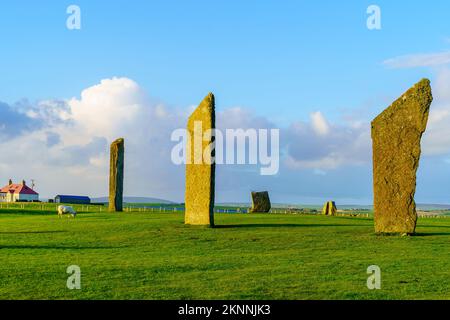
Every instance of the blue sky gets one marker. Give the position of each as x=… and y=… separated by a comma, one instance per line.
x=265, y=55
x=279, y=60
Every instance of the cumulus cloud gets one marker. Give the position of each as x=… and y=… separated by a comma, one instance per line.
x=64, y=144
x=320, y=146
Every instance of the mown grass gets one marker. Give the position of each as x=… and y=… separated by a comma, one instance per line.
x=155, y=256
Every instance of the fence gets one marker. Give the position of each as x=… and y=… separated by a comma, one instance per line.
x=53, y=207
x=440, y=216
x=50, y=207
x=178, y=209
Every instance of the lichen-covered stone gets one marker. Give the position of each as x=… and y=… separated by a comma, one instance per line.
x=260, y=202
x=200, y=167
x=329, y=209
x=116, y=175
x=396, y=135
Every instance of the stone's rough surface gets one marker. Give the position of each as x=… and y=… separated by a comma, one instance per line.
x=200, y=167
x=396, y=135
x=260, y=202
x=329, y=209
x=116, y=176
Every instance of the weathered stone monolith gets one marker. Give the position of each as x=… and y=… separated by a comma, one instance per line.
x=200, y=166
x=116, y=175
x=260, y=202
x=396, y=135
x=329, y=209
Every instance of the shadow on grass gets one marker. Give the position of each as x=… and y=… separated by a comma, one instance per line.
x=27, y=212
x=427, y=234
x=56, y=247
x=433, y=226
x=284, y=225
x=31, y=232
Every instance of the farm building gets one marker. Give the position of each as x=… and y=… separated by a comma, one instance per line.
x=18, y=193
x=72, y=199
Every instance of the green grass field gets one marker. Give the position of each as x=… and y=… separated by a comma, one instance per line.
x=154, y=256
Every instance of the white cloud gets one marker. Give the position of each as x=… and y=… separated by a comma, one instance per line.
x=67, y=149
x=115, y=107
x=419, y=60
x=319, y=145
x=436, y=140
x=319, y=123
x=241, y=118
x=69, y=152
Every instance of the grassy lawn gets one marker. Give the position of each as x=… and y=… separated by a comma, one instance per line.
x=154, y=256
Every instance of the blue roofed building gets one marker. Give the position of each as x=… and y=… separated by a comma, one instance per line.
x=72, y=199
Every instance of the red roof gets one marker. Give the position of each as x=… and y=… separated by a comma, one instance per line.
x=18, y=188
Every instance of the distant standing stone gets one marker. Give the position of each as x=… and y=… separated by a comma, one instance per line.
x=396, y=135
x=116, y=175
x=200, y=167
x=329, y=209
x=260, y=202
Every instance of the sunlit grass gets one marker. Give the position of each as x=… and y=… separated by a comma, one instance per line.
x=155, y=256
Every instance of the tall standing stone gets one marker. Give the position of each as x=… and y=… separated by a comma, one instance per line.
x=396, y=135
x=329, y=209
x=260, y=202
x=116, y=175
x=200, y=167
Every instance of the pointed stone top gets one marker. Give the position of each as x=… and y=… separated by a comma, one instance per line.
x=208, y=103
x=119, y=141
x=207, y=106
x=420, y=96
x=421, y=88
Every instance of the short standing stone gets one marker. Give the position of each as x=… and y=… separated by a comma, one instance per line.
x=200, y=167
x=396, y=135
x=116, y=175
x=329, y=209
x=260, y=202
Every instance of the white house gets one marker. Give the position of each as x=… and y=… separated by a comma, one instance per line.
x=18, y=192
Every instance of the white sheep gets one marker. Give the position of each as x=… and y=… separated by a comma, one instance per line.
x=62, y=210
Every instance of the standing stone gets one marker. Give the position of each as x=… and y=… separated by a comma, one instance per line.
x=116, y=176
x=260, y=202
x=396, y=135
x=200, y=166
x=329, y=209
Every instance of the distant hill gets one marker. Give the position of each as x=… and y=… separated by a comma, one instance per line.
x=291, y=205
x=134, y=200
x=424, y=206
x=420, y=206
